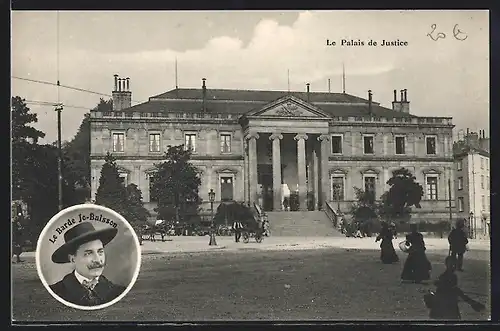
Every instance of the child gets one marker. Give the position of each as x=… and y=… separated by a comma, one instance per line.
x=443, y=303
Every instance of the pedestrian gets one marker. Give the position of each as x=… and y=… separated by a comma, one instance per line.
x=17, y=240
x=443, y=303
x=237, y=227
x=387, y=253
x=417, y=267
x=458, y=243
x=394, y=230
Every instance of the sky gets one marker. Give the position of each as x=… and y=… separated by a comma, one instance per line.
x=253, y=50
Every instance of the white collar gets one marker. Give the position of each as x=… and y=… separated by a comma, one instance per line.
x=81, y=278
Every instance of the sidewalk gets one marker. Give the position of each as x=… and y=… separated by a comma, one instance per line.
x=187, y=244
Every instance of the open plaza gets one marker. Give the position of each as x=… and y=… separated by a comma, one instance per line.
x=283, y=278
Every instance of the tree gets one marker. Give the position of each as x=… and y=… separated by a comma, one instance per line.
x=135, y=213
x=364, y=210
x=111, y=192
x=404, y=192
x=24, y=142
x=175, y=185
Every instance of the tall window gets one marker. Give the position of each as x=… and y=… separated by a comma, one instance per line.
x=459, y=165
x=338, y=188
x=154, y=142
x=432, y=187
x=370, y=185
x=482, y=181
x=118, y=142
x=152, y=195
x=337, y=144
x=483, y=202
x=481, y=161
x=225, y=143
x=190, y=142
x=430, y=143
x=400, y=145
x=460, y=183
x=461, y=204
x=368, y=144
x=487, y=182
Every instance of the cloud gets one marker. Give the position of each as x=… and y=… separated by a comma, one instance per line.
x=447, y=77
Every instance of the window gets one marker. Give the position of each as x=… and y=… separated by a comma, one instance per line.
x=152, y=195
x=225, y=143
x=481, y=161
x=487, y=182
x=482, y=181
x=118, y=142
x=483, y=203
x=370, y=185
x=154, y=142
x=124, y=176
x=337, y=144
x=190, y=142
x=487, y=161
x=430, y=143
x=460, y=183
x=461, y=204
x=338, y=188
x=459, y=165
x=400, y=145
x=368, y=144
x=431, y=186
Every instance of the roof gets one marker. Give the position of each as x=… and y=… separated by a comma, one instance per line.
x=243, y=101
x=257, y=95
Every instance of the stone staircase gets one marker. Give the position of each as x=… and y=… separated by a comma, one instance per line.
x=301, y=224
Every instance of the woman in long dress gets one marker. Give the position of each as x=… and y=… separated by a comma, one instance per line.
x=417, y=267
x=387, y=253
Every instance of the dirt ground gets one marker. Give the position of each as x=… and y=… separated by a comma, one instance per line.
x=248, y=284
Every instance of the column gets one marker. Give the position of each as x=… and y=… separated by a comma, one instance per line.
x=301, y=169
x=315, y=166
x=245, y=172
x=385, y=178
x=324, y=139
x=252, y=166
x=385, y=143
x=276, y=139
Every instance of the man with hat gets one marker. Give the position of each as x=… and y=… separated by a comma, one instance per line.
x=84, y=248
x=458, y=243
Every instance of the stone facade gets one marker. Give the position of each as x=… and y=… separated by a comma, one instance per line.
x=257, y=146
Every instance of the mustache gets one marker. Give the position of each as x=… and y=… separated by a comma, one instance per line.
x=96, y=265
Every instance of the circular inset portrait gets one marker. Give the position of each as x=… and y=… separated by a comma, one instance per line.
x=88, y=257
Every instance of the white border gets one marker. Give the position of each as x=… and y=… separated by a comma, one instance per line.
x=84, y=207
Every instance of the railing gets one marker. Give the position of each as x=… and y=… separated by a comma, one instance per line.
x=332, y=214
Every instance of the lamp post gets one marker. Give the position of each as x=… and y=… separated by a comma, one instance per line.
x=471, y=230
x=211, y=197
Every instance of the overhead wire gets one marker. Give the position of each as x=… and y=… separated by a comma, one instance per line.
x=68, y=87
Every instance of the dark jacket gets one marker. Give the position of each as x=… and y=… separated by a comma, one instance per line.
x=457, y=240
x=70, y=289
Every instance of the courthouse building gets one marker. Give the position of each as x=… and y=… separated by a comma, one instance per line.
x=265, y=146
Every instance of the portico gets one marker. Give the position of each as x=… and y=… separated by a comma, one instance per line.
x=289, y=139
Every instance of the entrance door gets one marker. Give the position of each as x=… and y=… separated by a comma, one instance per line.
x=226, y=188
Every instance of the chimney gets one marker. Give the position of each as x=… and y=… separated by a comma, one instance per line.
x=405, y=104
x=122, y=97
x=307, y=85
x=204, y=89
x=396, y=105
x=329, y=89
x=370, y=102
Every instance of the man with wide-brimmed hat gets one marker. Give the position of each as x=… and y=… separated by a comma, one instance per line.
x=84, y=248
x=458, y=243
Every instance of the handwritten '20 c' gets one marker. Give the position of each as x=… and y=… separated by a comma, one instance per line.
x=435, y=34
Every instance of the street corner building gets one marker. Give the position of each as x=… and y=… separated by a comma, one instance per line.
x=282, y=151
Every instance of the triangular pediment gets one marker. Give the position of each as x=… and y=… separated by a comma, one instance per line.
x=288, y=106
